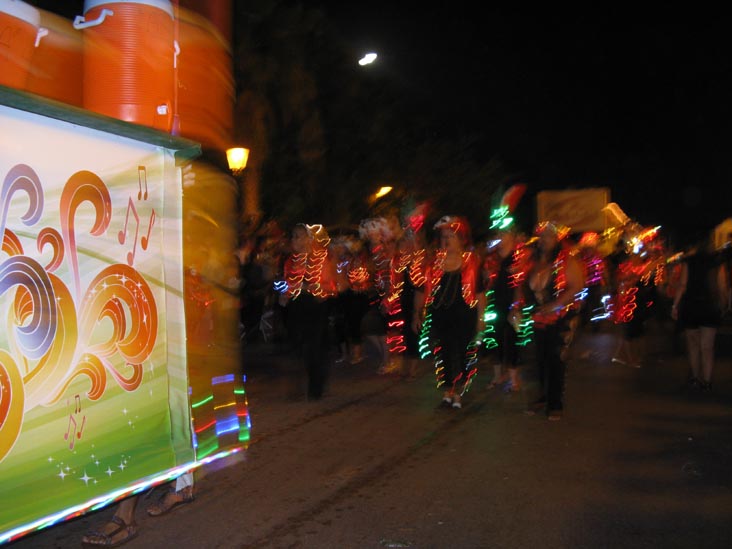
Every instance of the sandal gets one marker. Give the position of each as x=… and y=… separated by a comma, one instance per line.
x=97, y=538
x=170, y=500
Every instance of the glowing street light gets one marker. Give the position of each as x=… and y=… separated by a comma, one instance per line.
x=383, y=191
x=237, y=159
x=367, y=59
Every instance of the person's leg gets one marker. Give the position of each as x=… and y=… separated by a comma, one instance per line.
x=316, y=329
x=184, y=481
x=555, y=367
x=693, y=350
x=706, y=344
x=444, y=371
x=180, y=493
x=511, y=357
x=541, y=343
x=499, y=353
x=119, y=530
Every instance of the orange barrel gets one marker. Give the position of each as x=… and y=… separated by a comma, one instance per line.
x=129, y=53
x=57, y=62
x=205, y=83
x=19, y=32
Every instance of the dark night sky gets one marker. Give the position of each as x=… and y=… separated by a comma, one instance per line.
x=633, y=99
x=637, y=101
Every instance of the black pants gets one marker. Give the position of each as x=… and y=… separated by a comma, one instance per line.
x=308, y=319
x=507, y=350
x=550, y=367
x=453, y=328
x=355, y=305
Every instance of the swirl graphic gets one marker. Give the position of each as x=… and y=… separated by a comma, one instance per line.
x=57, y=333
x=21, y=177
x=11, y=403
x=11, y=243
x=36, y=335
x=51, y=237
x=45, y=383
x=83, y=186
x=117, y=290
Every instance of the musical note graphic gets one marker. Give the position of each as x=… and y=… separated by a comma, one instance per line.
x=123, y=233
x=72, y=420
x=66, y=435
x=141, y=176
x=145, y=240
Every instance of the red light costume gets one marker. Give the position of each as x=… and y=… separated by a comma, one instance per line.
x=469, y=273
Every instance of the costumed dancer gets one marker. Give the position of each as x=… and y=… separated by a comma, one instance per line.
x=381, y=240
x=553, y=285
x=501, y=272
x=358, y=296
x=408, y=275
x=450, y=309
x=309, y=283
x=637, y=278
x=596, y=279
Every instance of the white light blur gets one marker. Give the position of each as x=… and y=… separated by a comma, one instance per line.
x=367, y=59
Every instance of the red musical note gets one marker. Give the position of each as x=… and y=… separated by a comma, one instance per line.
x=145, y=240
x=141, y=175
x=77, y=404
x=123, y=233
x=66, y=435
x=83, y=422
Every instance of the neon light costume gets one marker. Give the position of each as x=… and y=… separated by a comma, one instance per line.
x=310, y=281
x=552, y=284
x=453, y=310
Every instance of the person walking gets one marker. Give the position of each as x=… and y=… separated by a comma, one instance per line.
x=698, y=305
x=553, y=283
x=450, y=309
x=309, y=284
x=499, y=269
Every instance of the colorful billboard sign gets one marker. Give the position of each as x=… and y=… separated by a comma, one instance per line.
x=95, y=398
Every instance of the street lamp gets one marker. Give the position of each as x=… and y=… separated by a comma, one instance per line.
x=383, y=191
x=237, y=158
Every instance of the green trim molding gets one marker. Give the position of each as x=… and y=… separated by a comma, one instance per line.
x=184, y=149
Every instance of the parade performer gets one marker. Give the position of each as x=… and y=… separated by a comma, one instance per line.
x=354, y=283
x=501, y=272
x=309, y=283
x=596, y=277
x=450, y=309
x=408, y=275
x=553, y=285
x=500, y=338
x=381, y=236
x=637, y=279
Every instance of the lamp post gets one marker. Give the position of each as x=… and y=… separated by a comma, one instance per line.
x=237, y=158
x=382, y=192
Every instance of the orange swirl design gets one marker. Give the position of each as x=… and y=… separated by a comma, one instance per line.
x=44, y=383
x=83, y=186
x=92, y=367
x=116, y=287
x=11, y=243
x=51, y=237
x=11, y=403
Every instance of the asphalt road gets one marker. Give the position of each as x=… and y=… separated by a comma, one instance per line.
x=637, y=461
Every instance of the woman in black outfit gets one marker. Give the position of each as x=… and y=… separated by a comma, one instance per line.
x=698, y=307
